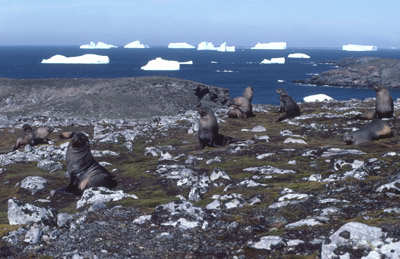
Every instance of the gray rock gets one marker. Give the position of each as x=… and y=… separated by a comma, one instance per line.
x=34, y=184
x=101, y=194
x=63, y=219
x=49, y=165
x=34, y=235
x=19, y=213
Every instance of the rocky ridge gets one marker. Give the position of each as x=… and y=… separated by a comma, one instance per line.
x=359, y=72
x=286, y=189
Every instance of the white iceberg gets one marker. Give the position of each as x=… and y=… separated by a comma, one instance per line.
x=270, y=45
x=298, y=55
x=317, y=98
x=161, y=64
x=186, y=62
x=353, y=47
x=84, y=59
x=136, y=45
x=206, y=46
x=180, y=45
x=99, y=45
x=224, y=48
x=273, y=61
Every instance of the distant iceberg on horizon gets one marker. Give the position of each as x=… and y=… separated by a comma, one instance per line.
x=180, y=45
x=270, y=45
x=224, y=48
x=317, y=98
x=204, y=45
x=161, y=64
x=354, y=47
x=99, y=45
x=136, y=45
x=84, y=59
x=298, y=55
x=273, y=61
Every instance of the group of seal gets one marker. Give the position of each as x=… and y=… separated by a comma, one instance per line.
x=242, y=107
x=377, y=128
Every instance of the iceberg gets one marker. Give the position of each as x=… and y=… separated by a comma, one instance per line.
x=186, y=62
x=84, y=59
x=298, y=55
x=224, y=48
x=206, y=46
x=353, y=47
x=273, y=61
x=161, y=64
x=99, y=45
x=180, y=45
x=270, y=45
x=136, y=45
x=317, y=98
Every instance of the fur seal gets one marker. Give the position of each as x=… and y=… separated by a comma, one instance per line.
x=287, y=105
x=242, y=107
x=208, y=130
x=374, y=130
x=281, y=92
x=384, y=102
x=85, y=172
x=33, y=137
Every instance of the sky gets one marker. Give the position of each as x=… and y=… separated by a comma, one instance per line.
x=300, y=23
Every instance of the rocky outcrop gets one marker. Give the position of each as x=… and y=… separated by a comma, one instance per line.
x=359, y=72
x=107, y=98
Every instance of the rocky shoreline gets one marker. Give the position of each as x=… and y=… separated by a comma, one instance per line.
x=359, y=72
x=288, y=189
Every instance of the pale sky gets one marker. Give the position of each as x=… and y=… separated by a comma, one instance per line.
x=300, y=23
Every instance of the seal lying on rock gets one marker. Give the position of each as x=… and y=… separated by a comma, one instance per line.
x=287, y=105
x=208, y=130
x=84, y=170
x=374, y=130
x=242, y=107
x=33, y=137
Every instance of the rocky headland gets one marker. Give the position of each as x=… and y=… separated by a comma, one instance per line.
x=359, y=72
x=291, y=189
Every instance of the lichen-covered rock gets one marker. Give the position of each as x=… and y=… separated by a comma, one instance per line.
x=101, y=194
x=19, y=213
x=49, y=165
x=34, y=184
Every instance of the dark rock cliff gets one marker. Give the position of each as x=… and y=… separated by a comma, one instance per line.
x=110, y=98
x=359, y=72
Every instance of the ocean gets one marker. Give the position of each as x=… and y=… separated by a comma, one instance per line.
x=232, y=70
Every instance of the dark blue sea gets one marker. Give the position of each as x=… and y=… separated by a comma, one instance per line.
x=243, y=66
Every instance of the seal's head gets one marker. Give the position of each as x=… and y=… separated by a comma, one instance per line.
x=79, y=140
x=378, y=87
x=203, y=111
x=27, y=127
x=348, y=138
x=281, y=91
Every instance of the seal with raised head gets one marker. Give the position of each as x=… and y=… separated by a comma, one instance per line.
x=287, y=105
x=374, y=130
x=384, y=102
x=33, y=137
x=281, y=92
x=85, y=172
x=242, y=107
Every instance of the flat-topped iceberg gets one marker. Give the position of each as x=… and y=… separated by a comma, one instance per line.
x=224, y=48
x=136, y=45
x=273, y=61
x=180, y=45
x=161, y=64
x=317, y=98
x=84, y=59
x=353, y=47
x=204, y=45
x=270, y=45
x=298, y=55
x=99, y=45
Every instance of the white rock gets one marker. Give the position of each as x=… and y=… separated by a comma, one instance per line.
x=34, y=235
x=268, y=242
x=294, y=141
x=214, y=205
x=34, y=183
x=19, y=213
x=161, y=64
x=84, y=59
x=304, y=222
x=142, y=219
x=262, y=156
x=101, y=194
x=317, y=98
